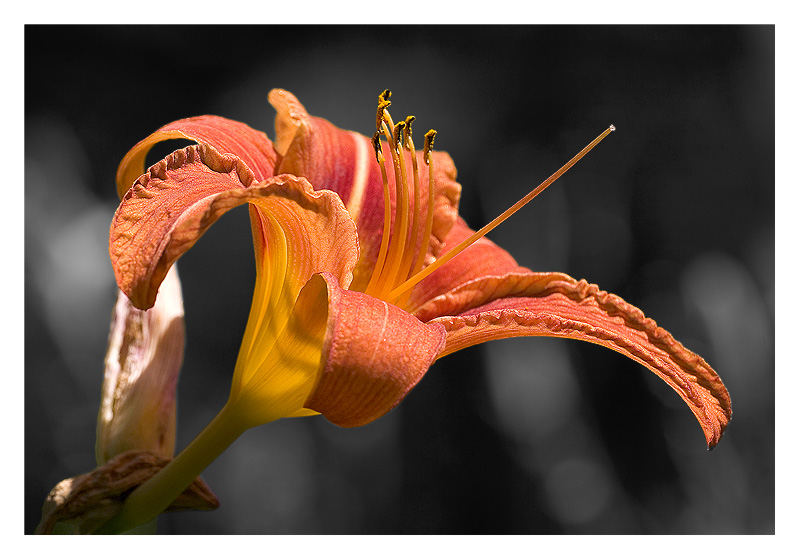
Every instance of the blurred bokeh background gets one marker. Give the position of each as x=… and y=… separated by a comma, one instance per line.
x=674, y=212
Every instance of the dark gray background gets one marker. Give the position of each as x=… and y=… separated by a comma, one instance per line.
x=674, y=212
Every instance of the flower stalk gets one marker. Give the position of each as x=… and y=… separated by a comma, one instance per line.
x=151, y=498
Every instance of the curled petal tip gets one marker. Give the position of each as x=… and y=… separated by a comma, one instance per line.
x=170, y=208
x=487, y=296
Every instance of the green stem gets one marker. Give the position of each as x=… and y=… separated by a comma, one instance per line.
x=153, y=497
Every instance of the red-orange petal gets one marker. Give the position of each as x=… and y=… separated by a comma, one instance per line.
x=344, y=162
x=170, y=207
x=227, y=136
x=554, y=304
x=374, y=354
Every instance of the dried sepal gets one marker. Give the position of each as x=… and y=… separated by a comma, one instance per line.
x=83, y=503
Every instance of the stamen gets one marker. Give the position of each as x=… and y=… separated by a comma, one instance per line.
x=382, y=106
x=414, y=280
x=377, y=277
x=409, y=144
x=376, y=146
x=429, y=137
x=387, y=215
x=381, y=275
x=387, y=118
x=411, y=242
x=397, y=134
x=400, y=232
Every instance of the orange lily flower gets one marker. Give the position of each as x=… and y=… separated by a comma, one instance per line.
x=365, y=276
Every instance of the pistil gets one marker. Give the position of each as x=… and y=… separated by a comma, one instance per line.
x=400, y=264
x=424, y=273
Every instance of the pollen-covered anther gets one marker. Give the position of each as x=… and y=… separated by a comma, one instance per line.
x=398, y=257
x=379, y=117
x=398, y=134
x=408, y=143
x=430, y=136
x=376, y=145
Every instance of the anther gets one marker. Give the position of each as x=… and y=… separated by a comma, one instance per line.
x=408, y=120
x=385, y=96
x=376, y=144
x=382, y=106
x=429, y=138
x=397, y=133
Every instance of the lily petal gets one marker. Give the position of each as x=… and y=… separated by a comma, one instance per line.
x=483, y=294
x=344, y=162
x=374, y=354
x=559, y=306
x=145, y=351
x=170, y=207
x=225, y=135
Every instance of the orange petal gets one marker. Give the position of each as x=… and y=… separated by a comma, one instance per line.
x=252, y=147
x=554, y=304
x=374, y=354
x=170, y=207
x=344, y=162
x=145, y=351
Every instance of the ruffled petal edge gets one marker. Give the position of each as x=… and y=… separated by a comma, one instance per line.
x=554, y=304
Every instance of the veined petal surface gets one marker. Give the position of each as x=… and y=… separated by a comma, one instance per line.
x=374, y=354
